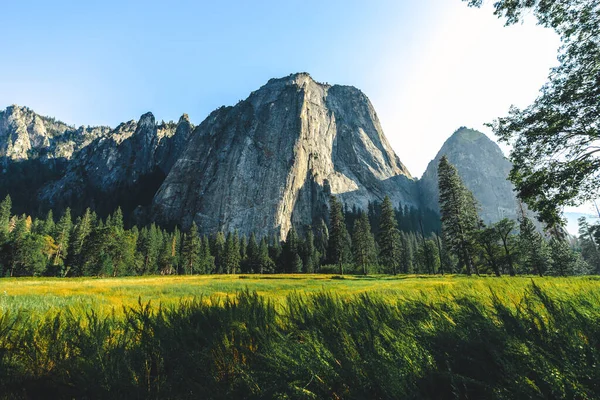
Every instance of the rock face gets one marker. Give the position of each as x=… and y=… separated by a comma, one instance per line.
x=484, y=170
x=49, y=164
x=271, y=161
x=25, y=135
x=264, y=165
x=123, y=168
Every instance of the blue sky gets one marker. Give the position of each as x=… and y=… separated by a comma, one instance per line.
x=428, y=66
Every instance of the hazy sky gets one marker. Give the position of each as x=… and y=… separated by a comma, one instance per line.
x=428, y=66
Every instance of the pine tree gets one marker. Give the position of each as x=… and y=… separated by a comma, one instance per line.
x=190, y=253
x=265, y=262
x=533, y=249
x=243, y=249
x=252, y=255
x=589, y=248
x=48, y=225
x=563, y=258
x=208, y=260
x=176, y=243
x=62, y=237
x=81, y=232
x=310, y=255
x=5, y=210
x=218, y=249
x=339, y=247
x=149, y=243
x=363, y=243
x=116, y=220
x=406, y=264
x=18, y=253
x=275, y=253
x=389, y=237
x=291, y=259
x=231, y=255
x=458, y=210
x=322, y=241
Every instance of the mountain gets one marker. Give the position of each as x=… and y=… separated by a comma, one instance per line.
x=264, y=165
x=124, y=169
x=271, y=161
x=484, y=170
x=49, y=164
x=25, y=135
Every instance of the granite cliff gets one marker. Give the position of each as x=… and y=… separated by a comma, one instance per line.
x=484, y=170
x=49, y=164
x=271, y=161
x=266, y=164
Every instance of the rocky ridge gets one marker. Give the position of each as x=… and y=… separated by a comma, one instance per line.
x=484, y=170
x=271, y=161
x=266, y=164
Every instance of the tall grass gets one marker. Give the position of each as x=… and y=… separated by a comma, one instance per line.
x=475, y=345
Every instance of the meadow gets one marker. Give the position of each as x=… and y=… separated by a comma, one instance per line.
x=300, y=336
x=105, y=295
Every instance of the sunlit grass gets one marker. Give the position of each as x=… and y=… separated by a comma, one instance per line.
x=300, y=336
x=105, y=295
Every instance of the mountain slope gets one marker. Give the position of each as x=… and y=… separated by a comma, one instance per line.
x=125, y=168
x=482, y=167
x=271, y=161
x=264, y=165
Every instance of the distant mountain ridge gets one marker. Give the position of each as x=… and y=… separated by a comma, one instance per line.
x=482, y=167
x=266, y=164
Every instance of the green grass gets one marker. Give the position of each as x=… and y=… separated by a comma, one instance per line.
x=41, y=295
x=300, y=337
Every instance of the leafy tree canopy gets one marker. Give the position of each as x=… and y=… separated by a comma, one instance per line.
x=556, y=140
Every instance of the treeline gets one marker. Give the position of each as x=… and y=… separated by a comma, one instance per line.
x=383, y=239
x=504, y=247
x=93, y=246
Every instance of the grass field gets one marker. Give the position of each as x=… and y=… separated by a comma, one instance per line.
x=298, y=336
x=42, y=295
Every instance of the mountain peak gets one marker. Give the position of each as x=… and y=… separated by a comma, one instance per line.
x=270, y=161
x=482, y=167
x=467, y=134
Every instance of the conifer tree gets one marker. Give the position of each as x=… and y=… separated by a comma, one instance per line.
x=165, y=257
x=62, y=237
x=458, y=210
x=243, y=249
x=291, y=259
x=322, y=240
x=275, y=253
x=389, y=237
x=81, y=232
x=231, y=255
x=266, y=264
x=533, y=248
x=208, y=260
x=563, y=258
x=218, y=249
x=363, y=243
x=310, y=255
x=589, y=248
x=5, y=210
x=406, y=264
x=338, y=247
x=150, y=241
x=252, y=255
x=48, y=227
x=190, y=253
